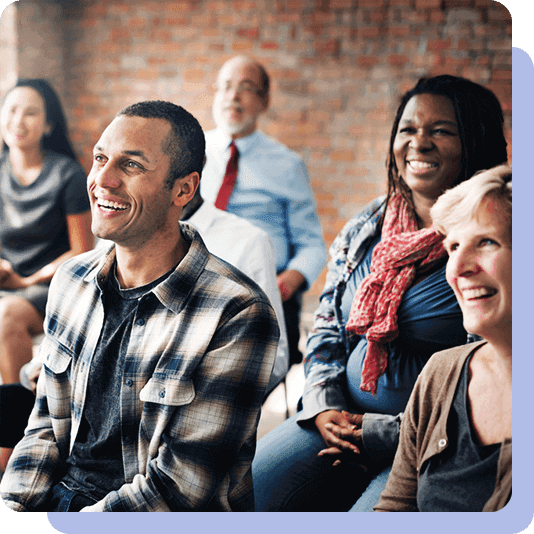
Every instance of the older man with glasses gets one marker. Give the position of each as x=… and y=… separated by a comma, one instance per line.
x=259, y=179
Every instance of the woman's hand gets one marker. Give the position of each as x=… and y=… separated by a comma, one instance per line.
x=9, y=279
x=341, y=431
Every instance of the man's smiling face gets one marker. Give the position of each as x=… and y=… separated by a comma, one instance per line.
x=129, y=199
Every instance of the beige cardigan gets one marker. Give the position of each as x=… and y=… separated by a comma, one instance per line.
x=424, y=434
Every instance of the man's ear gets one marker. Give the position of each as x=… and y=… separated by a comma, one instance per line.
x=184, y=189
x=265, y=100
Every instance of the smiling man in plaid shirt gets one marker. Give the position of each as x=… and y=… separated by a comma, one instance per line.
x=157, y=354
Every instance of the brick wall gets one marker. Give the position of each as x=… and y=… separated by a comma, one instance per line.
x=338, y=70
x=8, y=48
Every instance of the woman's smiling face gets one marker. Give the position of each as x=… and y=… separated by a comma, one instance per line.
x=23, y=119
x=427, y=146
x=479, y=269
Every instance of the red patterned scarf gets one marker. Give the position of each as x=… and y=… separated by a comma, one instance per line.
x=402, y=250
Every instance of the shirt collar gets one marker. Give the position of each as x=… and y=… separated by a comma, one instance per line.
x=243, y=144
x=174, y=291
x=203, y=218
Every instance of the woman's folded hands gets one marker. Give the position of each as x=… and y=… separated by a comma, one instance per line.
x=342, y=433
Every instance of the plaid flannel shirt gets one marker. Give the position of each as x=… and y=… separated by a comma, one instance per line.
x=197, y=364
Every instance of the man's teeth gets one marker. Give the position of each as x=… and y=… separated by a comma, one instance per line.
x=422, y=165
x=478, y=293
x=112, y=206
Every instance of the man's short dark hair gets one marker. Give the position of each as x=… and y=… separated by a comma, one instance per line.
x=185, y=144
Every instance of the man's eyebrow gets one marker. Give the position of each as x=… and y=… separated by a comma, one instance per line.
x=138, y=153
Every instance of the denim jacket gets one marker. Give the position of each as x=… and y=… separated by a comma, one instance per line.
x=328, y=345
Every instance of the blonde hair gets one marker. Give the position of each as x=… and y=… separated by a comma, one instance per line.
x=461, y=203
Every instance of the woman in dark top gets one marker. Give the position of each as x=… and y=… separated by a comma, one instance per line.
x=44, y=209
x=455, y=450
x=386, y=308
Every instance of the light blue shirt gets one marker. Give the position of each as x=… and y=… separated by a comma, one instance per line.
x=273, y=192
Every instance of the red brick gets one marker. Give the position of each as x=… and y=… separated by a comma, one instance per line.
x=342, y=155
x=137, y=23
x=378, y=16
x=369, y=32
x=171, y=47
x=342, y=4
x=437, y=16
x=427, y=4
x=241, y=46
x=367, y=62
x=182, y=7
x=269, y=45
x=372, y=3
x=499, y=75
x=416, y=17
x=397, y=60
x=400, y=31
x=319, y=142
x=117, y=8
x=458, y=3
x=175, y=21
x=440, y=44
x=499, y=12
x=250, y=33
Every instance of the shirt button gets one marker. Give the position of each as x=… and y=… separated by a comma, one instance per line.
x=162, y=393
x=129, y=382
x=442, y=442
x=141, y=322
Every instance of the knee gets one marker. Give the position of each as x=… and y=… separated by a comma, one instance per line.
x=13, y=319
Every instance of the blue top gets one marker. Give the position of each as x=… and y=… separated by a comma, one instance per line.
x=329, y=346
x=273, y=192
x=429, y=320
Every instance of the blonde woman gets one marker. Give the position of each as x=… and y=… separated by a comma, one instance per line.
x=455, y=450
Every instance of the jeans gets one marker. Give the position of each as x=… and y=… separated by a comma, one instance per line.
x=288, y=475
x=63, y=499
x=371, y=495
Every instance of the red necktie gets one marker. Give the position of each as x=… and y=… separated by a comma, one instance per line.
x=229, y=179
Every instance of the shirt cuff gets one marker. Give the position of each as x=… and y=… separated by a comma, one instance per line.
x=319, y=400
x=309, y=263
x=380, y=435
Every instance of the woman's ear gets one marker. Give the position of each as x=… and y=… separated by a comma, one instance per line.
x=185, y=188
x=47, y=130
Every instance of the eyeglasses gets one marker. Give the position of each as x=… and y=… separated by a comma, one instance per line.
x=243, y=87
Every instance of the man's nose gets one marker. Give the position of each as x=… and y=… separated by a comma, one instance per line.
x=108, y=178
x=232, y=92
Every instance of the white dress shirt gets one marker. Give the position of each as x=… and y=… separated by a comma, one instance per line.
x=251, y=250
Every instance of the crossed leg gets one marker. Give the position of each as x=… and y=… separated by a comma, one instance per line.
x=19, y=323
